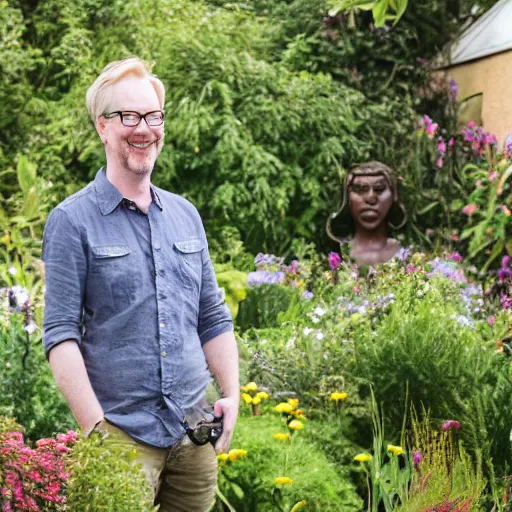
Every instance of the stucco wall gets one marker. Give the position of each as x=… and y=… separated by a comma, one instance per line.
x=491, y=76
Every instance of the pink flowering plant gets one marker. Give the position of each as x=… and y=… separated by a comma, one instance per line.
x=469, y=193
x=33, y=479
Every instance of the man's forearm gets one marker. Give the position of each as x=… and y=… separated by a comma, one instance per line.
x=222, y=357
x=71, y=377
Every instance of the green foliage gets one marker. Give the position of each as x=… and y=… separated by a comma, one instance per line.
x=110, y=470
x=249, y=483
x=29, y=393
x=382, y=10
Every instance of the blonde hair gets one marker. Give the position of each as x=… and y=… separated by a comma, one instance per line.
x=99, y=95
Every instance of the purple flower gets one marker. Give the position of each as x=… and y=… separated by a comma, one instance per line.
x=403, y=254
x=307, y=295
x=264, y=277
x=507, y=145
x=417, y=458
x=334, y=260
x=454, y=88
x=450, y=424
x=455, y=256
x=506, y=301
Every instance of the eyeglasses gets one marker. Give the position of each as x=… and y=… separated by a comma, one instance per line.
x=205, y=431
x=132, y=119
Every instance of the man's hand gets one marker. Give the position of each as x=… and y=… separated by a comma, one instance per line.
x=228, y=409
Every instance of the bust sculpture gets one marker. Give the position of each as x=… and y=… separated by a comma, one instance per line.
x=370, y=206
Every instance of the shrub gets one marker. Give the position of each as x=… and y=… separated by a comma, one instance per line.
x=32, y=479
x=110, y=470
x=250, y=482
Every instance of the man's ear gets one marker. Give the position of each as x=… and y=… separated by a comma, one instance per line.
x=102, y=128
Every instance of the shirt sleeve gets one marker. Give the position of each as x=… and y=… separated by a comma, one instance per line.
x=65, y=262
x=214, y=315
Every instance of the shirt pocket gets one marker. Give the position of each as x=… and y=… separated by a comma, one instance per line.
x=114, y=271
x=189, y=254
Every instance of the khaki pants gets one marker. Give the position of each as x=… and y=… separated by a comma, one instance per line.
x=183, y=477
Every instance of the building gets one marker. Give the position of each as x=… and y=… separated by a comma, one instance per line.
x=481, y=64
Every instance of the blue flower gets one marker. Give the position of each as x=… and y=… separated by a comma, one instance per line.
x=307, y=295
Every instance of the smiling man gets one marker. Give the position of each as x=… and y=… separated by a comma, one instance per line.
x=134, y=320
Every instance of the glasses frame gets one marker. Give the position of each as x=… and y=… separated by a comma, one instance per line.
x=213, y=431
x=122, y=113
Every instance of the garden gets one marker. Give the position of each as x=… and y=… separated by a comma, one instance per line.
x=364, y=388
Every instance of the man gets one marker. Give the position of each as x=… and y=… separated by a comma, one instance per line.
x=134, y=318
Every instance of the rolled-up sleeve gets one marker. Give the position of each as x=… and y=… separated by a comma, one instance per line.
x=65, y=274
x=214, y=315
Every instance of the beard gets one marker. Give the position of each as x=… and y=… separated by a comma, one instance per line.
x=141, y=164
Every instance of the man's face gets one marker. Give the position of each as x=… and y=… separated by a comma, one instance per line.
x=370, y=199
x=134, y=149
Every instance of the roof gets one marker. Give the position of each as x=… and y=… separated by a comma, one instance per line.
x=490, y=34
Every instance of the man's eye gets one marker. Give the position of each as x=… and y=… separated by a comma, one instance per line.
x=130, y=117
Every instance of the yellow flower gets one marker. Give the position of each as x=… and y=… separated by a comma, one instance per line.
x=262, y=395
x=395, y=450
x=299, y=505
x=256, y=400
x=363, y=457
x=282, y=437
x=252, y=386
x=247, y=398
x=284, y=480
x=338, y=397
x=222, y=457
x=294, y=402
x=295, y=425
x=234, y=455
x=284, y=407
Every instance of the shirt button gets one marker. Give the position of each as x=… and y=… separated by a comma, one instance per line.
x=162, y=324
x=164, y=354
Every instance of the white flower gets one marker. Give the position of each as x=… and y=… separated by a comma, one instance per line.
x=307, y=331
x=319, y=311
x=30, y=328
x=12, y=271
x=8, y=364
x=419, y=293
x=290, y=344
x=319, y=336
x=315, y=319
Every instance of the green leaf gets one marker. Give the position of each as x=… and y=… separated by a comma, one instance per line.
x=505, y=177
x=379, y=11
x=498, y=249
x=428, y=208
x=26, y=174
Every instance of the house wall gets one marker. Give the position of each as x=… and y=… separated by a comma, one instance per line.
x=491, y=76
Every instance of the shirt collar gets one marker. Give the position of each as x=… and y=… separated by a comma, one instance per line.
x=109, y=197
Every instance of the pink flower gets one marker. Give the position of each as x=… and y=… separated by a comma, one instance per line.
x=441, y=147
x=356, y=290
x=334, y=260
x=440, y=162
x=455, y=256
x=451, y=142
x=469, y=209
x=471, y=124
x=493, y=175
x=450, y=424
x=430, y=126
x=417, y=458
x=491, y=320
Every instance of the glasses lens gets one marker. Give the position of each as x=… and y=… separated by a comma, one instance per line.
x=130, y=118
x=155, y=118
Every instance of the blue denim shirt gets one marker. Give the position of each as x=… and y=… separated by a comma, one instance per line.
x=139, y=295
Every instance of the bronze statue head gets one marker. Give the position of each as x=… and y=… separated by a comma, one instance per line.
x=369, y=198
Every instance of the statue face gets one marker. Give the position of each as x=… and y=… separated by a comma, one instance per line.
x=370, y=199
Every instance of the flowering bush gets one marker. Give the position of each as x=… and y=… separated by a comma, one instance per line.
x=32, y=479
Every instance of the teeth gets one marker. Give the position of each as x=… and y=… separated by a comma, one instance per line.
x=140, y=146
